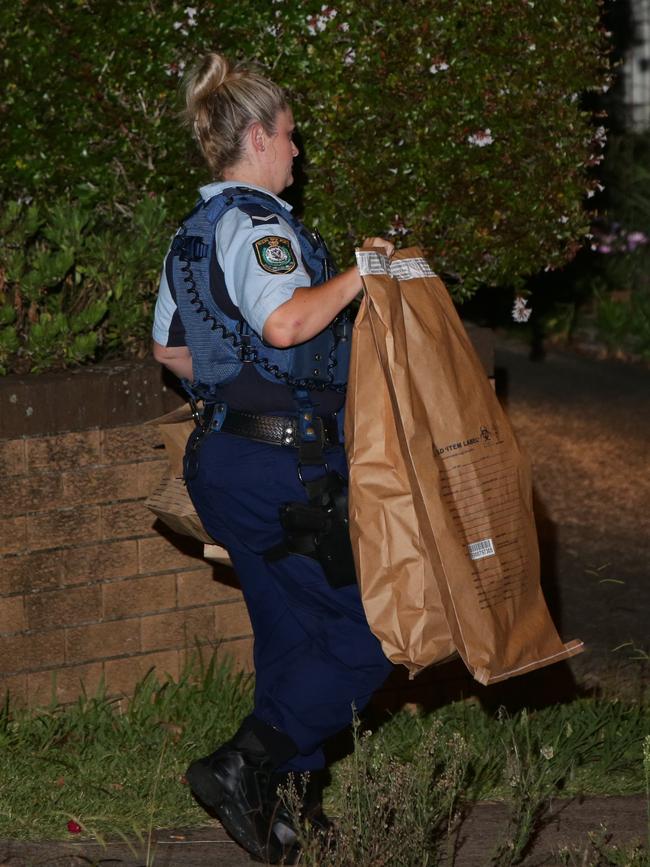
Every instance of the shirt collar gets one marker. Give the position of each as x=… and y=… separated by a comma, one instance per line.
x=213, y=189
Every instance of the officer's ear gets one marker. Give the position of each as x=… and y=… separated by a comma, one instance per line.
x=257, y=137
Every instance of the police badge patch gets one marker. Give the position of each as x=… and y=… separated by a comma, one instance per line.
x=275, y=255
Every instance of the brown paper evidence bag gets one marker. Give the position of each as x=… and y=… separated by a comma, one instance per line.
x=441, y=514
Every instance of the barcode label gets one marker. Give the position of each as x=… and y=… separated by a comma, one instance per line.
x=402, y=269
x=478, y=550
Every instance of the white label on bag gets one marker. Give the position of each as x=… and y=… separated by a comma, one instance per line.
x=402, y=269
x=478, y=550
x=372, y=263
x=410, y=269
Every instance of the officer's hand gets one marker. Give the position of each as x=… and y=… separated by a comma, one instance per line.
x=387, y=247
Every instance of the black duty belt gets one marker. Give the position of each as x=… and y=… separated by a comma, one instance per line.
x=279, y=430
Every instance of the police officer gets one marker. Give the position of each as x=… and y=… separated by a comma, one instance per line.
x=252, y=317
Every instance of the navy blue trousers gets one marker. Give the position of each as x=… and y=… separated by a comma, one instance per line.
x=315, y=657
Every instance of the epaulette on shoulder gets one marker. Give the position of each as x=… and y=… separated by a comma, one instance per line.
x=259, y=214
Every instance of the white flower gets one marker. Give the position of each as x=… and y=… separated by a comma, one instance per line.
x=318, y=23
x=520, y=312
x=177, y=25
x=344, y=26
x=397, y=227
x=532, y=47
x=349, y=57
x=563, y=219
x=435, y=68
x=481, y=138
x=175, y=68
x=547, y=752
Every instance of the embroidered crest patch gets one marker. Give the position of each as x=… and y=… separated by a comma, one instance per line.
x=275, y=255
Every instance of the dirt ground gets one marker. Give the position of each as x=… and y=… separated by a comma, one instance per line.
x=586, y=426
x=566, y=824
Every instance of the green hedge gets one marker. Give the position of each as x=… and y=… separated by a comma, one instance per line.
x=456, y=124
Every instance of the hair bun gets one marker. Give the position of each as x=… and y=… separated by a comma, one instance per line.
x=222, y=101
x=206, y=77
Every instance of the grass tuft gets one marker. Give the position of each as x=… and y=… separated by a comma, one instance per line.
x=116, y=766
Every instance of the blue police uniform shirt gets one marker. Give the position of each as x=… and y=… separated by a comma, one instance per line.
x=261, y=261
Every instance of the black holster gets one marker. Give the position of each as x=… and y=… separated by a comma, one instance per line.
x=320, y=529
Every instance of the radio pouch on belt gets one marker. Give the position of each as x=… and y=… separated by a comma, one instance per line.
x=319, y=529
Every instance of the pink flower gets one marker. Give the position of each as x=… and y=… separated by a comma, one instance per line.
x=636, y=239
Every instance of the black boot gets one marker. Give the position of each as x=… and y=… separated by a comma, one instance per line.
x=236, y=783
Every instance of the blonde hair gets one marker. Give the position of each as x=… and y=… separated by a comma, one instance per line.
x=221, y=104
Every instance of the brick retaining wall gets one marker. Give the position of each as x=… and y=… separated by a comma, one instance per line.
x=90, y=587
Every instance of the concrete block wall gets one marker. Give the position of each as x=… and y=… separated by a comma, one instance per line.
x=90, y=588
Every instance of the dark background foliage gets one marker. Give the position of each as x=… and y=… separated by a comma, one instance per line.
x=456, y=124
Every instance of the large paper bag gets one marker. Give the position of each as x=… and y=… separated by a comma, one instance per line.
x=466, y=504
x=399, y=591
